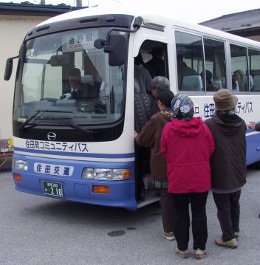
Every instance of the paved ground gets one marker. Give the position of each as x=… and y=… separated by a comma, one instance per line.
x=42, y=231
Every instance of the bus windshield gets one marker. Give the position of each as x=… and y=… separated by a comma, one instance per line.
x=44, y=95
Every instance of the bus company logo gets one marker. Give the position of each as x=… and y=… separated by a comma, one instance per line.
x=51, y=136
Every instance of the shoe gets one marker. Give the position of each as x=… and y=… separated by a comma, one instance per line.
x=236, y=234
x=182, y=253
x=229, y=244
x=169, y=235
x=200, y=254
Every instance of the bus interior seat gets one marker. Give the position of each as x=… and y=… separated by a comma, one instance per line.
x=217, y=84
x=87, y=79
x=91, y=86
x=256, y=81
x=192, y=83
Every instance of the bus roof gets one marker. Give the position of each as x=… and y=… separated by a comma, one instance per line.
x=148, y=17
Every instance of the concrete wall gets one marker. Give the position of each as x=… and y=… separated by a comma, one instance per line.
x=12, y=32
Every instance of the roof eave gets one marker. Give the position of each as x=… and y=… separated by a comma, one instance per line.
x=38, y=10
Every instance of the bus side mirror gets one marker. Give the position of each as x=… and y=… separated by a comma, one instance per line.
x=116, y=49
x=8, y=69
x=115, y=46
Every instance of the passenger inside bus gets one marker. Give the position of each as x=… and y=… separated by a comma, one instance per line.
x=208, y=79
x=142, y=75
x=142, y=84
x=238, y=81
x=156, y=66
x=184, y=70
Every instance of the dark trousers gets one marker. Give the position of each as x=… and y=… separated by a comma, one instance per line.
x=228, y=208
x=199, y=219
x=167, y=209
x=142, y=166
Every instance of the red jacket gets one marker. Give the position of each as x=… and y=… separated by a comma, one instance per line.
x=187, y=146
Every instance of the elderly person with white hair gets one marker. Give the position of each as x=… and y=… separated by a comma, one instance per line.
x=158, y=84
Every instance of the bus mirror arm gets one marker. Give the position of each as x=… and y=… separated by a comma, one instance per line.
x=136, y=25
x=100, y=43
x=9, y=68
x=115, y=45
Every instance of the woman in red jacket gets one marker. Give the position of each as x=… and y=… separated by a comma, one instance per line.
x=187, y=144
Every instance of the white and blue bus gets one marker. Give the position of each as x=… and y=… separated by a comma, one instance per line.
x=83, y=150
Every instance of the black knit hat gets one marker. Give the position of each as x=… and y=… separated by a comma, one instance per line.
x=166, y=97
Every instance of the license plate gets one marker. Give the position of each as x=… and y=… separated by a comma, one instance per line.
x=53, y=188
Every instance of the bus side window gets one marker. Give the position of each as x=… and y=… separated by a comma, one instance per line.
x=239, y=68
x=215, y=74
x=189, y=61
x=254, y=66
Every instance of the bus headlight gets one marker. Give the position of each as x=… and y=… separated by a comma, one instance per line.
x=121, y=174
x=106, y=173
x=103, y=173
x=19, y=164
x=88, y=173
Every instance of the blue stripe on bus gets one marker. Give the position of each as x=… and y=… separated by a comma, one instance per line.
x=128, y=155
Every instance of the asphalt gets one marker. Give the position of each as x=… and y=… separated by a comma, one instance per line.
x=37, y=231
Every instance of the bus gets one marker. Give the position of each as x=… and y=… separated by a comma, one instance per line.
x=83, y=150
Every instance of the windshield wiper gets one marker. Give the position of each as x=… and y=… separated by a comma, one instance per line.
x=90, y=133
x=27, y=122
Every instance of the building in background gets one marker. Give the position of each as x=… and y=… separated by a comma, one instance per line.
x=15, y=21
x=245, y=24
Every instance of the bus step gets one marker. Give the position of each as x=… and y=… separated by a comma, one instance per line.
x=151, y=196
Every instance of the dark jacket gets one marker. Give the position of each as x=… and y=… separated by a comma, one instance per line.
x=155, y=67
x=150, y=136
x=154, y=105
x=142, y=84
x=257, y=127
x=142, y=110
x=228, y=163
x=77, y=94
